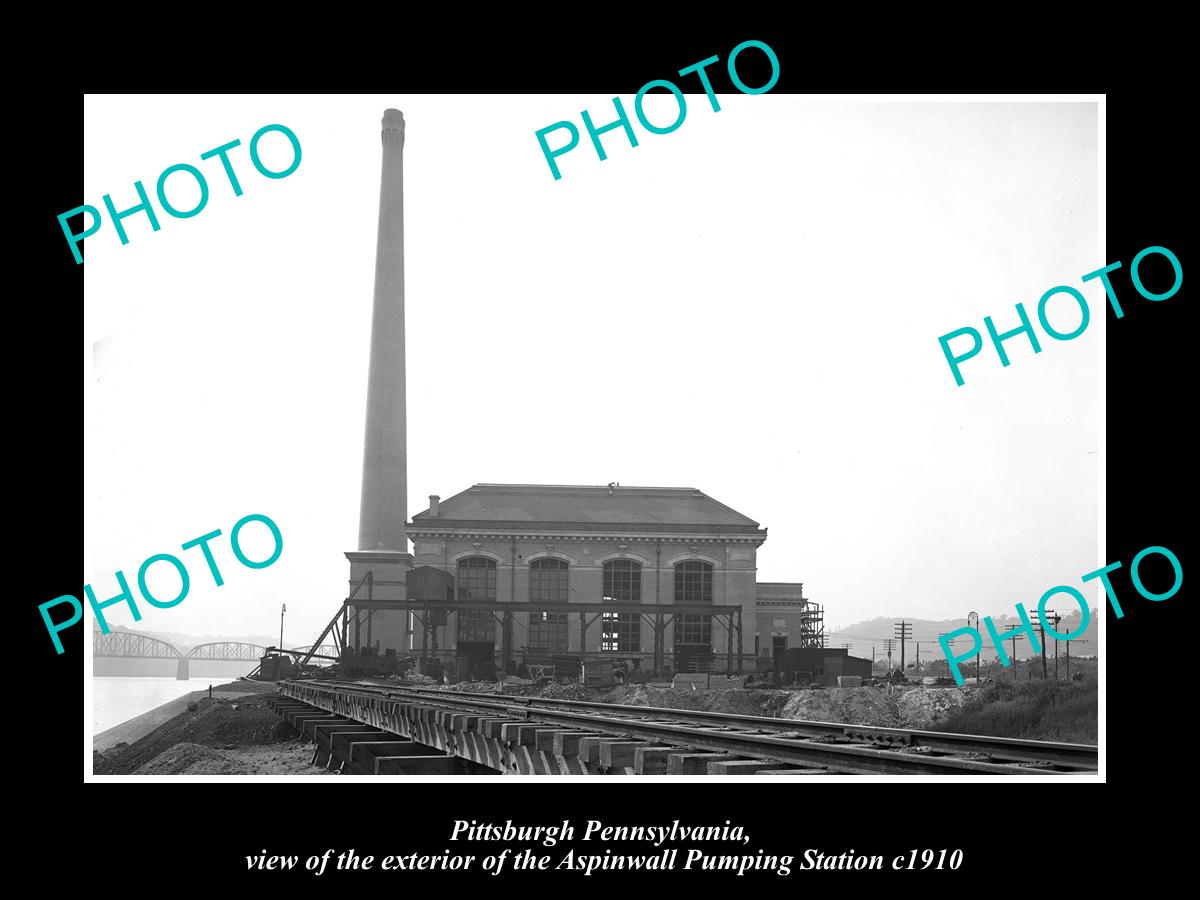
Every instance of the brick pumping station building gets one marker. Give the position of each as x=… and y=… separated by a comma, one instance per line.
x=552, y=578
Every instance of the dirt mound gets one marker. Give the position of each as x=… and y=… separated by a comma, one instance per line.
x=216, y=724
x=924, y=708
x=735, y=702
x=288, y=758
x=629, y=694
x=192, y=759
x=852, y=706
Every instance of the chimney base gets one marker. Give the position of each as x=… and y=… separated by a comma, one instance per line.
x=389, y=570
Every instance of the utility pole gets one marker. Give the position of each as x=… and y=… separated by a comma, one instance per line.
x=904, y=633
x=1057, y=618
x=890, y=645
x=1050, y=615
x=281, y=612
x=975, y=624
x=1013, y=629
x=1068, y=660
x=918, y=659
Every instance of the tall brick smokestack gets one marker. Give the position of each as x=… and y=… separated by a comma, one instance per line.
x=384, y=505
x=382, y=545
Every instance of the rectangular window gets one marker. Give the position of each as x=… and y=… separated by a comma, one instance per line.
x=622, y=631
x=693, y=629
x=476, y=583
x=549, y=582
x=693, y=584
x=547, y=632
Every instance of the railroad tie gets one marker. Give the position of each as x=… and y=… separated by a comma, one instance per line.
x=323, y=737
x=521, y=738
x=297, y=720
x=308, y=730
x=651, y=760
x=365, y=753
x=341, y=742
x=559, y=746
x=694, y=763
x=619, y=753
x=416, y=765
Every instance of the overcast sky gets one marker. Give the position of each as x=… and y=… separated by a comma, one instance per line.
x=749, y=306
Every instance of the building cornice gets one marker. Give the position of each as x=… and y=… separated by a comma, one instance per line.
x=555, y=531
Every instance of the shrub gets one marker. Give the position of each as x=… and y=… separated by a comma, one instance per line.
x=1038, y=710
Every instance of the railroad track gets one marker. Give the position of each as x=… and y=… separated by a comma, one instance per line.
x=366, y=728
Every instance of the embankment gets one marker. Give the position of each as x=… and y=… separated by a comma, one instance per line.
x=235, y=733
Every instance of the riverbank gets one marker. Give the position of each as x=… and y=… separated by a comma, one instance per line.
x=234, y=733
x=139, y=726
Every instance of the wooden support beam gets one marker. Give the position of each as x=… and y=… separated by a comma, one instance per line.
x=307, y=729
x=651, y=760
x=693, y=763
x=363, y=753
x=342, y=741
x=589, y=749
x=523, y=733
x=494, y=728
x=544, y=739
x=416, y=765
x=566, y=743
x=741, y=766
x=619, y=753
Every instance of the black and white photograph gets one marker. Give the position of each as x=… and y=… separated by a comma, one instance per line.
x=678, y=434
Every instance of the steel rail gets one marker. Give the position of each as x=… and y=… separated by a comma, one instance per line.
x=623, y=720
x=1084, y=756
x=1081, y=756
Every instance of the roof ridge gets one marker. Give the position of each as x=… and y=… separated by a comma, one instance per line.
x=587, y=487
x=564, y=503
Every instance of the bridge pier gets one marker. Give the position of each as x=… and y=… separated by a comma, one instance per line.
x=181, y=670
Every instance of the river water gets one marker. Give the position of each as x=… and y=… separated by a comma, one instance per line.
x=118, y=699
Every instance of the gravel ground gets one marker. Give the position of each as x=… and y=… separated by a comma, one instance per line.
x=288, y=758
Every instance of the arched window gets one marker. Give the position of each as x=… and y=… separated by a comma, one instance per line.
x=693, y=631
x=548, y=584
x=476, y=584
x=621, y=631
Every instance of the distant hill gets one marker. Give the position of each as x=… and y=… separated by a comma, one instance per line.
x=873, y=633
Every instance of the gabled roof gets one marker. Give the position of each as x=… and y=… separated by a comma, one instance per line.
x=652, y=507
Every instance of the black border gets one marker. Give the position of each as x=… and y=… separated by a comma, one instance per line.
x=1148, y=456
